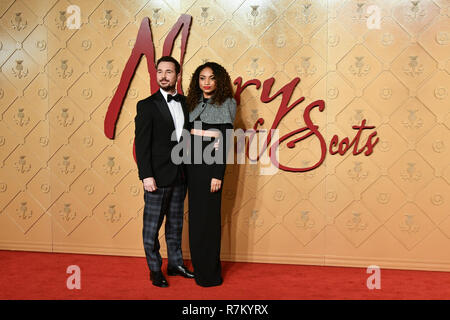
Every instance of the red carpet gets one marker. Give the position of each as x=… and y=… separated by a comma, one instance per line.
x=32, y=275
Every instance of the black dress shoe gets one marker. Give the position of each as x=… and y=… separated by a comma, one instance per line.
x=158, y=279
x=179, y=271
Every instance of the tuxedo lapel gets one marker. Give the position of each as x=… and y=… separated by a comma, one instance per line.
x=185, y=112
x=164, y=109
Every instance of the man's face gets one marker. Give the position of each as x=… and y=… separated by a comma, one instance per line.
x=166, y=76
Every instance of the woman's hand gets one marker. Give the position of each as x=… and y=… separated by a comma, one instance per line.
x=215, y=184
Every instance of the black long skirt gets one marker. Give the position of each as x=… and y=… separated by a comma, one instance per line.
x=204, y=223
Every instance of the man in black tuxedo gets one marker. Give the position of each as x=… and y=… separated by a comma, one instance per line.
x=158, y=117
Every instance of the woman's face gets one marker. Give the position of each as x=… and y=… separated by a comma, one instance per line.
x=207, y=82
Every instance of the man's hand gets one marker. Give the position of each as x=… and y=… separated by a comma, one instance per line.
x=149, y=184
x=215, y=184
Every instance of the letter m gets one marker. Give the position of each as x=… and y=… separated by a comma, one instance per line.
x=144, y=46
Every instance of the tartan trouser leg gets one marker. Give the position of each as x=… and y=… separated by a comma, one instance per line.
x=153, y=218
x=174, y=225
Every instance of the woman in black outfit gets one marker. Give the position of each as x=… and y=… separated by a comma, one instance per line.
x=212, y=110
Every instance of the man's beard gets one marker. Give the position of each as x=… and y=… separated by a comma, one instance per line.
x=168, y=87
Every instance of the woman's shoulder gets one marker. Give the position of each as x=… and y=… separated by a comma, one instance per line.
x=230, y=100
x=229, y=103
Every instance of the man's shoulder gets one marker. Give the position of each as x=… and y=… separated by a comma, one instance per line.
x=149, y=100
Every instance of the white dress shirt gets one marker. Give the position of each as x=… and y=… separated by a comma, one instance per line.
x=176, y=110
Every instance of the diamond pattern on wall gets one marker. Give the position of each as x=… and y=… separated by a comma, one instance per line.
x=356, y=223
x=410, y=225
x=56, y=85
x=25, y=211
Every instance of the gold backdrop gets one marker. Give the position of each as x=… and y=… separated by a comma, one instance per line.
x=65, y=187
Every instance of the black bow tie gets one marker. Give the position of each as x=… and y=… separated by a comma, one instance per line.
x=175, y=97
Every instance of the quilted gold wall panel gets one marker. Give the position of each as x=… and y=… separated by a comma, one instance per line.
x=66, y=187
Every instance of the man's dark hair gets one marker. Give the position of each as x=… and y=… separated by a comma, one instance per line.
x=169, y=59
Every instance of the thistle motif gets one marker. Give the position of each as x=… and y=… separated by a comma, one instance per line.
x=357, y=117
x=411, y=174
x=67, y=214
x=157, y=18
x=356, y=223
x=19, y=70
x=414, y=68
x=205, y=19
x=108, y=21
x=254, y=220
x=253, y=70
x=21, y=119
x=61, y=21
x=65, y=119
x=63, y=70
x=360, y=13
x=18, y=23
x=305, y=15
x=415, y=12
x=66, y=167
x=304, y=221
x=305, y=69
x=357, y=172
x=22, y=166
x=23, y=212
x=408, y=225
x=413, y=122
x=112, y=215
x=109, y=71
x=359, y=68
x=111, y=167
x=252, y=17
x=309, y=174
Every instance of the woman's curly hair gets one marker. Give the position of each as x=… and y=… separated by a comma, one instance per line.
x=224, y=89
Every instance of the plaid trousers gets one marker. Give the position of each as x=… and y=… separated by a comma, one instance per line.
x=169, y=202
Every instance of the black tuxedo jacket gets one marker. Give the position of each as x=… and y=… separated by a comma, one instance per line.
x=153, y=131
